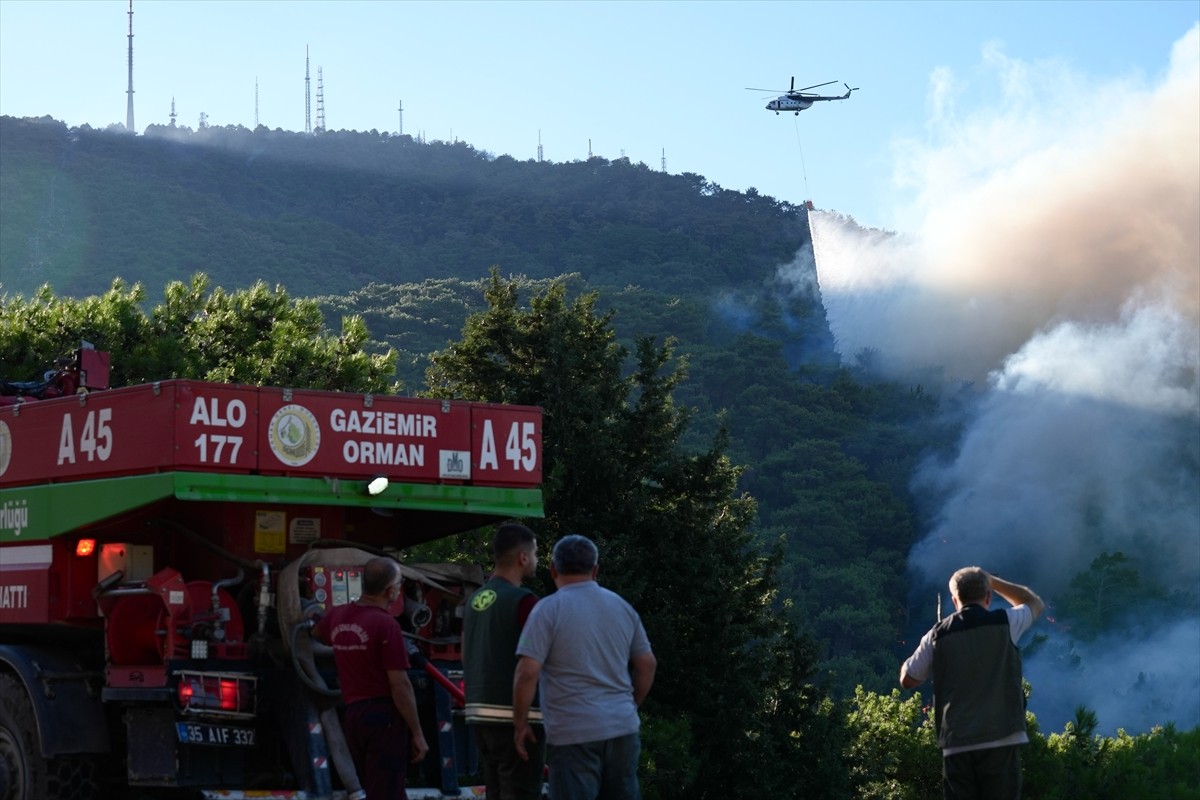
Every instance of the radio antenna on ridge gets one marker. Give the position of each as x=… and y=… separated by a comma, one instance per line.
x=129, y=105
x=320, y=100
x=307, y=94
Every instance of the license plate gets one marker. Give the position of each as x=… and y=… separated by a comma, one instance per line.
x=215, y=735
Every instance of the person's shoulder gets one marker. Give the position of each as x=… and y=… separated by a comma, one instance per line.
x=373, y=615
x=1019, y=615
x=616, y=600
x=479, y=592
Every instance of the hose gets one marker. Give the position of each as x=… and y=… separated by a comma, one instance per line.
x=335, y=737
x=305, y=668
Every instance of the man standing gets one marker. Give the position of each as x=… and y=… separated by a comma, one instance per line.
x=979, y=704
x=492, y=624
x=590, y=650
x=381, y=719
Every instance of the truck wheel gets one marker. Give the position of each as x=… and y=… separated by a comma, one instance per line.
x=24, y=773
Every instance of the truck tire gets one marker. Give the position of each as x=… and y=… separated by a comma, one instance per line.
x=24, y=773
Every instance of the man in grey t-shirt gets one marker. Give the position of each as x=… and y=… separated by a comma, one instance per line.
x=588, y=647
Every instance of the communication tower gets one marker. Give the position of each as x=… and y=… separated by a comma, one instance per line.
x=401, y=110
x=172, y=112
x=307, y=94
x=539, y=147
x=320, y=101
x=664, y=160
x=129, y=105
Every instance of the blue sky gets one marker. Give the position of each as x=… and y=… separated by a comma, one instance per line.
x=633, y=78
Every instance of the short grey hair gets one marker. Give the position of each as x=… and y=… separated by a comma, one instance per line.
x=970, y=585
x=574, y=555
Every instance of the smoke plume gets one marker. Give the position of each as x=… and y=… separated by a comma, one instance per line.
x=1056, y=265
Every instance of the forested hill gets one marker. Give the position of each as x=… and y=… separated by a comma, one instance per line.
x=327, y=214
x=402, y=232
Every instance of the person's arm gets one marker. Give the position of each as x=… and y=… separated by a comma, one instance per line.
x=915, y=670
x=1017, y=594
x=524, y=608
x=319, y=629
x=406, y=704
x=643, y=666
x=524, y=685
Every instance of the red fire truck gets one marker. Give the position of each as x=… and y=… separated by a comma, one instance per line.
x=161, y=545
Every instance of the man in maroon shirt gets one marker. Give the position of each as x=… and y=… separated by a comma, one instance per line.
x=381, y=719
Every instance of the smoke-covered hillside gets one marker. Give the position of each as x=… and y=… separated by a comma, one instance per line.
x=1056, y=265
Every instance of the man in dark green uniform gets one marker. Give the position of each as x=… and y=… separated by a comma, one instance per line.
x=494, y=618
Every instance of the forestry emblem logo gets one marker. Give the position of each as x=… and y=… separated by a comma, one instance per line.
x=294, y=435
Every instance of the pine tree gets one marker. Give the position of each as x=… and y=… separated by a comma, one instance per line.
x=730, y=706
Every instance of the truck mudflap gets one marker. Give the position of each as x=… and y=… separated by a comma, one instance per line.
x=65, y=698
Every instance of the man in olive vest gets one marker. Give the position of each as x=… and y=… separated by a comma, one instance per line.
x=492, y=626
x=979, y=703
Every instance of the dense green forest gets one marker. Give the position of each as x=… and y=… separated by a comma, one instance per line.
x=751, y=491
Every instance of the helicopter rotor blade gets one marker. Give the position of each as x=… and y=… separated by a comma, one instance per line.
x=773, y=91
x=817, y=86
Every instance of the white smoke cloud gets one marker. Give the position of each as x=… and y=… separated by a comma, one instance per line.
x=1083, y=444
x=1060, y=202
x=1055, y=262
x=1137, y=678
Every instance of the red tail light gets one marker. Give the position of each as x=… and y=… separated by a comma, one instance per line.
x=228, y=693
x=218, y=694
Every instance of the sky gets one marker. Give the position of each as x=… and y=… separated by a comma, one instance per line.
x=647, y=80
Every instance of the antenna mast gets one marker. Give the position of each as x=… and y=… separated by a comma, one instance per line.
x=307, y=93
x=172, y=112
x=129, y=105
x=401, y=110
x=320, y=101
x=539, y=146
x=664, y=160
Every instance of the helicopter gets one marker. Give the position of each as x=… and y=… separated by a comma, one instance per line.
x=796, y=100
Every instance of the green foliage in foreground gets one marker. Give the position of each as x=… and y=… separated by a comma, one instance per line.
x=254, y=336
x=892, y=754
